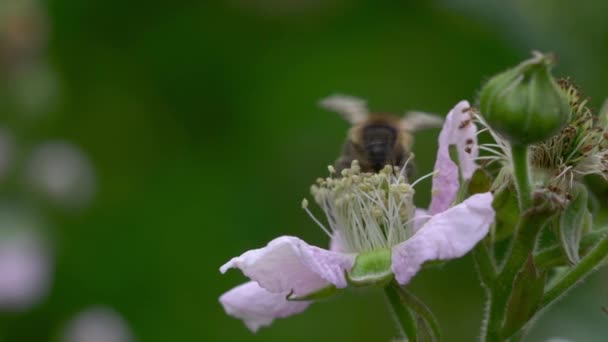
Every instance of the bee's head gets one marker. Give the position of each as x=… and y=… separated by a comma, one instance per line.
x=378, y=140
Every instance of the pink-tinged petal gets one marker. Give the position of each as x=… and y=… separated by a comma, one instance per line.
x=288, y=264
x=464, y=136
x=258, y=307
x=421, y=216
x=448, y=235
x=336, y=244
x=445, y=180
x=459, y=130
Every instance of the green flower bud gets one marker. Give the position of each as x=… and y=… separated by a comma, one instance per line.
x=525, y=104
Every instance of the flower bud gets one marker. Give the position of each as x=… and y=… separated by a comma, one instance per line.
x=525, y=104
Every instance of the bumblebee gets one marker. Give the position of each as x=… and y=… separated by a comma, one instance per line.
x=377, y=140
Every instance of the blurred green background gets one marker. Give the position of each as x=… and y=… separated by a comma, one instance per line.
x=200, y=121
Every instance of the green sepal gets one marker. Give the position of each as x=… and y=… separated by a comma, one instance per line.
x=421, y=324
x=371, y=269
x=572, y=223
x=322, y=293
x=525, y=298
x=553, y=256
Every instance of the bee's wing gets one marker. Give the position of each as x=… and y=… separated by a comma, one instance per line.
x=415, y=121
x=352, y=109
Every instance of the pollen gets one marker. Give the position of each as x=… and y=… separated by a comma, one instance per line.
x=370, y=211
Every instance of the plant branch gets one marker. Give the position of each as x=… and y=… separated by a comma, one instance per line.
x=585, y=267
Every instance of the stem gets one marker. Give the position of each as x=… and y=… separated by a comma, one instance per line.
x=524, y=241
x=521, y=174
x=577, y=273
x=493, y=323
x=401, y=313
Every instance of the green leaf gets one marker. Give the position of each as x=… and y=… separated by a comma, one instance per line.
x=553, y=256
x=507, y=213
x=525, y=297
x=480, y=182
x=572, y=223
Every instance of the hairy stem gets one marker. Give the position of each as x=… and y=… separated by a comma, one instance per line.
x=524, y=240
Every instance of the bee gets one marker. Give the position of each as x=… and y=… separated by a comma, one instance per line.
x=377, y=140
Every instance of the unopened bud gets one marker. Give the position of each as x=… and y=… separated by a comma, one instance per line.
x=525, y=104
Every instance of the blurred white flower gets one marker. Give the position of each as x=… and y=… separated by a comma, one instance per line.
x=98, y=324
x=63, y=173
x=7, y=147
x=25, y=260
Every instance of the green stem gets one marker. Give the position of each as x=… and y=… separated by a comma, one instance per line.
x=523, y=245
x=497, y=305
x=524, y=241
x=402, y=314
x=587, y=264
x=521, y=175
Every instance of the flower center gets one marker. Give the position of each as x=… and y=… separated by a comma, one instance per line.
x=366, y=211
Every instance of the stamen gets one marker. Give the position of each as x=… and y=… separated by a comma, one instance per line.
x=369, y=210
x=411, y=156
x=423, y=178
x=305, y=207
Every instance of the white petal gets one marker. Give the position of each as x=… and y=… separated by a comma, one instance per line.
x=258, y=307
x=459, y=130
x=336, y=244
x=288, y=264
x=448, y=235
x=464, y=136
x=445, y=180
x=421, y=216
